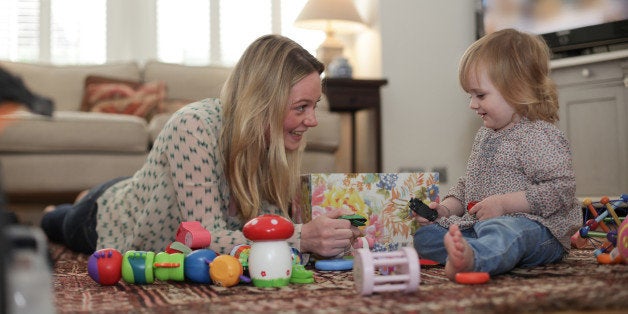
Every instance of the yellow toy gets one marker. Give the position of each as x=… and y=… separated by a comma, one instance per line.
x=225, y=270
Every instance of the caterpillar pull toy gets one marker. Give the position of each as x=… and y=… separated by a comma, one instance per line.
x=181, y=262
x=184, y=259
x=108, y=266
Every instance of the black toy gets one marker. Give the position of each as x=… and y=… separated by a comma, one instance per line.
x=417, y=206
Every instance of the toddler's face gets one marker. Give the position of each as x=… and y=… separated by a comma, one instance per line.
x=489, y=103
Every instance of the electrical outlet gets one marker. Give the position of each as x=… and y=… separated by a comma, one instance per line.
x=442, y=173
x=411, y=169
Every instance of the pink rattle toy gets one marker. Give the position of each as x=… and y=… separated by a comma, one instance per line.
x=402, y=271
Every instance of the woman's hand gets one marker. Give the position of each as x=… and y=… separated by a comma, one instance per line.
x=328, y=236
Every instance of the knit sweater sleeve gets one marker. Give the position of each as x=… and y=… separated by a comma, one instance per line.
x=547, y=162
x=200, y=185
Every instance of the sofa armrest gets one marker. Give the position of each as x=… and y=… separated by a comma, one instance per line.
x=156, y=124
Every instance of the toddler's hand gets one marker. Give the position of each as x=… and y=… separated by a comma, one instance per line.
x=424, y=221
x=489, y=207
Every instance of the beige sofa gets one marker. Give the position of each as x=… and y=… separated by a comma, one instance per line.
x=74, y=150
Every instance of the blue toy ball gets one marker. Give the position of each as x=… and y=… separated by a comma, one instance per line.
x=197, y=265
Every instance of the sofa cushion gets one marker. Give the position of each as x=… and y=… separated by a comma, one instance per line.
x=64, y=172
x=156, y=124
x=74, y=131
x=63, y=83
x=108, y=95
x=187, y=82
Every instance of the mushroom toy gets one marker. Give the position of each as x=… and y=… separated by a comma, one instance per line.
x=270, y=257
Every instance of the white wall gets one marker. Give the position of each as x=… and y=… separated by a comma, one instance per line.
x=425, y=116
x=415, y=45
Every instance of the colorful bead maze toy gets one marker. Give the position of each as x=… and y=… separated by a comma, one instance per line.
x=605, y=229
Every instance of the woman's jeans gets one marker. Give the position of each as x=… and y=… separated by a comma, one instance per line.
x=499, y=244
x=74, y=225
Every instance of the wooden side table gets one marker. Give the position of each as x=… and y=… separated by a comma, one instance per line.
x=353, y=95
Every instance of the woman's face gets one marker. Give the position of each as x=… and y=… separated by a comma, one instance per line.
x=301, y=116
x=489, y=103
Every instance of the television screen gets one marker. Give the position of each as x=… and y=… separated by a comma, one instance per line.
x=570, y=27
x=548, y=16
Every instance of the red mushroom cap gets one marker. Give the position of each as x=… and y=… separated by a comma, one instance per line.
x=268, y=227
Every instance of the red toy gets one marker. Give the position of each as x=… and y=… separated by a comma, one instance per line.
x=104, y=266
x=470, y=205
x=193, y=235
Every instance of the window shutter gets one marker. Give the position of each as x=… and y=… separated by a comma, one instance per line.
x=197, y=32
x=78, y=32
x=183, y=31
x=19, y=30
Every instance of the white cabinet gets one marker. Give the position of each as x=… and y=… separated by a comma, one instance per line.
x=593, y=97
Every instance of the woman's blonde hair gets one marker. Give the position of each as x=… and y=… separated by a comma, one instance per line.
x=255, y=100
x=518, y=65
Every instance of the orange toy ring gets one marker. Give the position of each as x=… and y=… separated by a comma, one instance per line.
x=472, y=278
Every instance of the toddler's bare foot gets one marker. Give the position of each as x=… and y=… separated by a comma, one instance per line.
x=49, y=208
x=459, y=253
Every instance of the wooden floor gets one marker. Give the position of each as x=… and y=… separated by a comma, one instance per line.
x=29, y=206
x=28, y=213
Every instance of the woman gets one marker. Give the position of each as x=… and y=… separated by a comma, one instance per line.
x=217, y=162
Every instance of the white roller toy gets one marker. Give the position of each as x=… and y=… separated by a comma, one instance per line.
x=398, y=271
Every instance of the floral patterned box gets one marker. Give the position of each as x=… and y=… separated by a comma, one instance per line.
x=382, y=198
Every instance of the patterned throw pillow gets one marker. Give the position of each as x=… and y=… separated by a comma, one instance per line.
x=110, y=95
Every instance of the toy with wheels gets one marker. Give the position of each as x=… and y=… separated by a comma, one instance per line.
x=405, y=275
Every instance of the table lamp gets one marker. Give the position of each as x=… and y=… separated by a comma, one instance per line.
x=331, y=16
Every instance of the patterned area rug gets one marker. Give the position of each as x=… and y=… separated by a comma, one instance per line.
x=577, y=284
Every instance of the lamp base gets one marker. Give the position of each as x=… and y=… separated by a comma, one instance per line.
x=329, y=50
x=327, y=54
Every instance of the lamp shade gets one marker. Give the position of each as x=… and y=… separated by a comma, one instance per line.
x=339, y=15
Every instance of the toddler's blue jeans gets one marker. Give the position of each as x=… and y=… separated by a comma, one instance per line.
x=499, y=244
